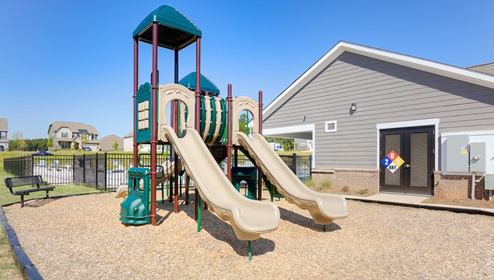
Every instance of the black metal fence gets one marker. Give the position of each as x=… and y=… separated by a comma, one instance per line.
x=108, y=171
x=300, y=165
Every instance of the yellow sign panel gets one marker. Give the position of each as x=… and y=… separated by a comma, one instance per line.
x=398, y=161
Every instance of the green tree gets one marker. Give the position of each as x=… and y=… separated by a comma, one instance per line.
x=84, y=139
x=49, y=143
x=37, y=144
x=17, y=141
x=288, y=143
x=243, y=121
x=115, y=145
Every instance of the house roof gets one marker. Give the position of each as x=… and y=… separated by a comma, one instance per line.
x=400, y=59
x=106, y=143
x=74, y=127
x=487, y=68
x=4, y=124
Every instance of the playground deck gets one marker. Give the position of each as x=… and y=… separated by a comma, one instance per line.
x=85, y=240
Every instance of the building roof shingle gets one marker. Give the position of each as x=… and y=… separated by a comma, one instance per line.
x=4, y=125
x=73, y=126
x=487, y=68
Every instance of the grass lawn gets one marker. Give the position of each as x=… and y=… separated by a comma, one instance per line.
x=8, y=268
x=299, y=153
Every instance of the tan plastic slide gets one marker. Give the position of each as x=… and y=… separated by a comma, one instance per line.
x=249, y=218
x=324, y=208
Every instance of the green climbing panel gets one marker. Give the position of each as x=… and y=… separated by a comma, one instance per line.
x=249, y=175
x=134, y=209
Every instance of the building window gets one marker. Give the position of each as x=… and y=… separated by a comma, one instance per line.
x=64, y=135
x=330, y=126
x=3, y=135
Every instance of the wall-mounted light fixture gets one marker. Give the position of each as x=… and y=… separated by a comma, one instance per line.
x=353, y=108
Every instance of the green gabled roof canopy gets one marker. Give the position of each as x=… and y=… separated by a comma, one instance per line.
x=175, y=30
x=189, y=82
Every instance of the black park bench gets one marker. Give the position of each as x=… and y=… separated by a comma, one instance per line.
x=27, y=185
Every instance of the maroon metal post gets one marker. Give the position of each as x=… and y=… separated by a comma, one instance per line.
x=175, y=159
x=259, y=171
x=175, y=124
x=136, y=88
x=198, y=110
x=187, y=183
x=198, y=85
x=229, y=138
x=154, y=80
x=175, y=80
x=172, y=150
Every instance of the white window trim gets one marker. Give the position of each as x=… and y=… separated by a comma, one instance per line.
x=330, y=130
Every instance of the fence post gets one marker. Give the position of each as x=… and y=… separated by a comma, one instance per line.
x=104, y=169
x=84, y=168
x=310, y=166
x=96, y=167
x=294, y=163
x=32, y=165
x=73, y=169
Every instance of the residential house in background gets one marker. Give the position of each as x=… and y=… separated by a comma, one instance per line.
x=4, y=133
x=107, y=143
x=128, y=142
x=65, y=135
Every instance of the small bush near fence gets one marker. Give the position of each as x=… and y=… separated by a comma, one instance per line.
x=108, y=171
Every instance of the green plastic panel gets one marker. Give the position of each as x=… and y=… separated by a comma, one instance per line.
x=134, y=209
x=212, y=127
x=143, y=110
x=189, y=82
x=175, y=30
x=224, y=125
x=249, y=175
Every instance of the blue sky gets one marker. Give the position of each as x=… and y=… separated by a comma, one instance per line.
x=73, y=60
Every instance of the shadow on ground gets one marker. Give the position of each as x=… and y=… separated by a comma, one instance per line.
x=218, y=228
x=303, y=221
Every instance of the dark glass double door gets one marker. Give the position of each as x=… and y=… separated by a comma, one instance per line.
x=407, y=160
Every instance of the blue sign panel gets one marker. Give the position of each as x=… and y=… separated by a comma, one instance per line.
x=386, y=161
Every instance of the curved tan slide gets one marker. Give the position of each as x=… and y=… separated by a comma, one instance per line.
x=324, y=208
x=249, y=218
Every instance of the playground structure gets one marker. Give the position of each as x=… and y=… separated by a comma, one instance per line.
x=202, y=130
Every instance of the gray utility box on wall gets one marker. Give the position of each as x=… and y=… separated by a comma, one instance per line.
x=489, y=182
x=457, y=153
x=477, y=157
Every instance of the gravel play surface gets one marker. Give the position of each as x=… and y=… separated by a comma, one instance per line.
x=81, y=238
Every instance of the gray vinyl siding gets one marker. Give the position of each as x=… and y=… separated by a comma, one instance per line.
x=384, y=92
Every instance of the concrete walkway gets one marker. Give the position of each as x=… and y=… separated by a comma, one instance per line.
x=416, y=201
